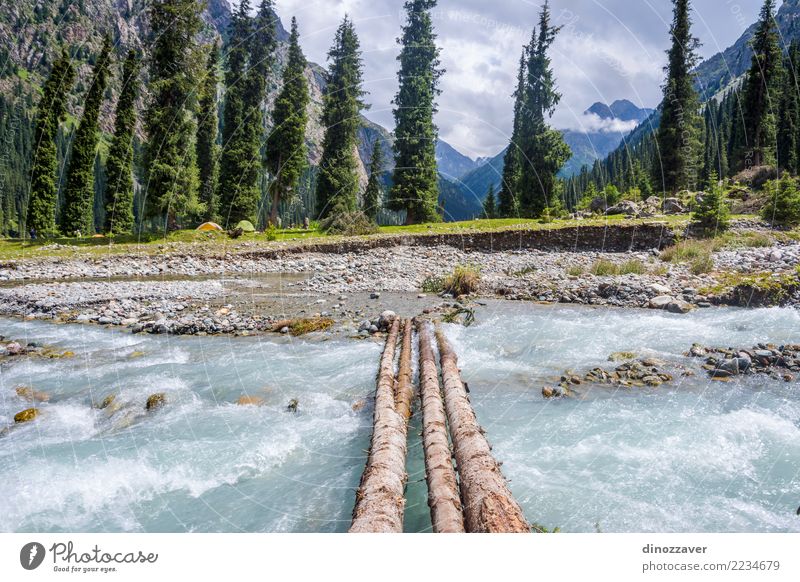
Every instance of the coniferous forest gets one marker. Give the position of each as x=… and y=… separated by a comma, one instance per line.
x=215, y=127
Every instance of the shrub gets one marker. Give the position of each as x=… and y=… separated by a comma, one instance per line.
x=463, y=281
x=576, y=270
x=632, y=267
x=701, y=265
x=602, y=268
x=783, y=204
x=348, y=223
x=432, y=284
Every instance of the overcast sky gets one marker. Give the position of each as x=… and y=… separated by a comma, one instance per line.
x=608, y=50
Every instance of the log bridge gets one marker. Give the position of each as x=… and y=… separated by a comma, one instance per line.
x=469, y=496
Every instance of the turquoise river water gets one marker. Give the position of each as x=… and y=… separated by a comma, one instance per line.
x=691, y=456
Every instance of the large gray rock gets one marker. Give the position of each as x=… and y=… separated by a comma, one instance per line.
x=679, y=306
x=598, y=204
x=661, y=301
x=673, y=206
x=626, y=207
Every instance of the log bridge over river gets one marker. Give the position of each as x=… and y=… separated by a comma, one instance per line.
x=470, y=496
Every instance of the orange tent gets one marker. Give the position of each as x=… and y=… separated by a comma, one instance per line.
x=210, y=226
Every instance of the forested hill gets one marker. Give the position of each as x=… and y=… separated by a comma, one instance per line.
x=718, y=71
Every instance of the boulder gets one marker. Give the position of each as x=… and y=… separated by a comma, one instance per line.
x=293, y=405
x=659, y=289
x=156, y=401
x=679, y=306
x=31, y=395
x=26, y=415
x=107, y=401
x=625, y=207
x=661, y=301
x=14, y=349
x=386, y=319
x=598, y=204
x=673, y=206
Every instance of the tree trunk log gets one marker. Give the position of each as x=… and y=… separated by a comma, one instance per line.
x=404, y=396
x=380, y=500
x=443, y=497
x=489, y=506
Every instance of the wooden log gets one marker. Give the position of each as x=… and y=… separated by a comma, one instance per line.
x=443, y=496
x=489, y=506
x=404, y=396
x=380, y=500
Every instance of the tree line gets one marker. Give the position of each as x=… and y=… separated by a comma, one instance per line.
x=754, y=124
x=210, y=144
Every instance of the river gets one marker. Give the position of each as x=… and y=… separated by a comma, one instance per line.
x=692, y=456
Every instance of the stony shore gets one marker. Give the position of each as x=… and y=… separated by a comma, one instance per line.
x=241, y=292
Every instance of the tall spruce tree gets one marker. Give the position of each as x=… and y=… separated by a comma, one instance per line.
x=373, y=195
x=415, y=186
x=118, y=196
x=337, y=182
x=789, y=117
x=206, y=142
x=52, y=108
x=77, y=211
x=251, y=55
x=543, y=149
x=286, y=145
x=680, y=127
x=170, y=163
x=237, y=159
x=509, y=194
x=762, y=91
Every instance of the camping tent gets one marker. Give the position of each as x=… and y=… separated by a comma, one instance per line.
x=210, y=226
x=246, y=226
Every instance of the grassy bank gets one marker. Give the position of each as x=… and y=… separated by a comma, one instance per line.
x=216, y=242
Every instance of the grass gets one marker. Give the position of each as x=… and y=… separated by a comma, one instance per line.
x=603, y=268
x=463, y=280
x=576, y=271
x=155, y=243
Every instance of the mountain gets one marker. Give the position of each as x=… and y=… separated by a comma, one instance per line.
x=602, y=129
x=717, y=72
x=452, y=163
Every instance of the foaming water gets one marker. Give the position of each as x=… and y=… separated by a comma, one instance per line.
x=692, y=456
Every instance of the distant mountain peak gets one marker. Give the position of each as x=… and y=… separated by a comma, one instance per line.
x=621, y=109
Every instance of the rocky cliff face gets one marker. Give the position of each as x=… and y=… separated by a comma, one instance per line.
x=32, y=33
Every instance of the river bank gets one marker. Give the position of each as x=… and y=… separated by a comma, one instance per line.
x=250, y=291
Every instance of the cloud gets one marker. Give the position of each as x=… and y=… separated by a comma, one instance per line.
x=607, y=50
x=593, y=123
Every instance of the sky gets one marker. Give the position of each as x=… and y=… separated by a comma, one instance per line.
x=607, y=50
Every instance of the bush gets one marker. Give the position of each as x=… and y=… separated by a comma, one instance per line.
x=783, y=198
x=348, y=223
x=701, y=265
x=432, y=284
x=602, y=268
x=463, y=281
x=632, y=267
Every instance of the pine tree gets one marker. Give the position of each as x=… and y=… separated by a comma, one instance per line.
x=286, y=145
x=373, y=195
x=416, y=178
x=762, y=92
x=789, y=116
x=490, y=204
x=236, y=158
x=206, y=142
x=711, y=212
x=41, y=217
x=680, y=127
x=77, y=211
x=337, y=182
x=543, y=148
x=783, y=204
x=170, y=162
x=118, y=196
x=509, y=195
x=251, y=55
